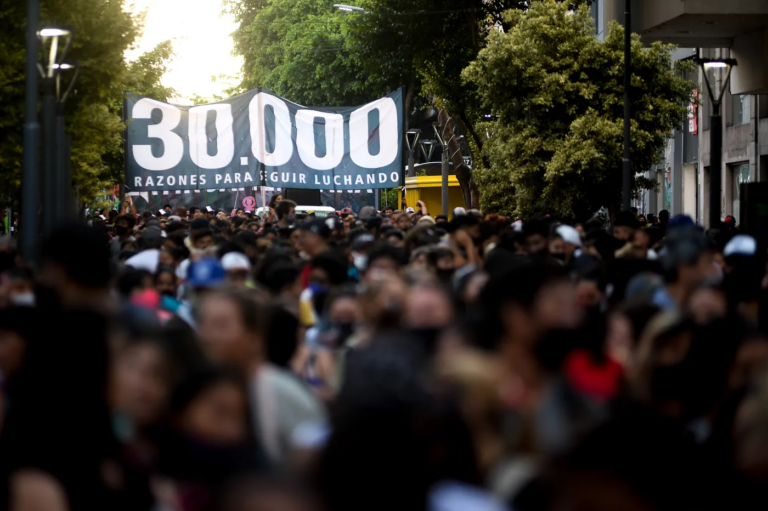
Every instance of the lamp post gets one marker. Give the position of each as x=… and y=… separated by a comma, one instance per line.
x=29, y=182
x=412, y=138
x=63, y=207
x=444, y=141
x=55, y=44
x=709, y=66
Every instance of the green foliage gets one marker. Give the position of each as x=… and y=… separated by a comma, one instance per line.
x=558, y=93
x=297, y=49
x=390, y=199
x=103, y=31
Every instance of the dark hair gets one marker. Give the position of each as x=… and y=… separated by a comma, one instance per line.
x=82, y=252
x=273, y=199
x=237, y=221
x=164, y=268
x=281, y=275
x=385, y=250
x=175, y=227
x=282, y=336
x=333, y=264
x=130, y=279
x=130, y=219
x=417, y=428
x=201, y=233
x=283, y=208
x=535, y=226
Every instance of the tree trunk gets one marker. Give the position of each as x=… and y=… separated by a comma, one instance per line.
x=463, y=173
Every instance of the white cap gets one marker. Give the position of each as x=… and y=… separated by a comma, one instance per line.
x=517, y=226
x=234, y=261
x=459, y=212
x=209, y=209
x=102, y=217
x=569, y=235
x=410, y=210
x=146, y=260
x=174, y=218
x=742, y=245
x=160, y=211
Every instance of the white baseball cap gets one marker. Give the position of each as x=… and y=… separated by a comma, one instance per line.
x=569, y=235
x=742, y=245
x=410, y=210
x=235, y=261
x=209, y=209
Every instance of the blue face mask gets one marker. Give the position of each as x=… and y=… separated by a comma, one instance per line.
x=317, y=288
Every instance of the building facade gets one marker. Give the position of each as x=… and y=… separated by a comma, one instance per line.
x=713, y=28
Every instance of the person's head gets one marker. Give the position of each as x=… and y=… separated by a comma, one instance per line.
x=428, y=306
x=384, y=259
x=18, y=326
x=240, y=212
x=202, y=238
x=367, y=212
x=402, y=222
x=132, y=282
x=527, y=301
x=556, y=246
x=166, y=282
x=181, y=212
x=707, y=302
x=441, y=219
x=388, y=211
x=285, y=209
x=535, y=234
x=140, y=378
x=211, y=406
x=238, y=267
x=395, y=238
x=663, y=216
x=282, y=279
x=642, y=220
x=167, y=208
x=230, y=326
x=686, y=260
x=75, y=263
x=124, y=225
x=571, y=240
x=275, y=200
x=254, y=226
x=328, y=269
x=313, y=236
x=625, y=225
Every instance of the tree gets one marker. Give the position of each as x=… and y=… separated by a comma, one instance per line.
x=296, y=48
x=557, y=144
x=103, y=31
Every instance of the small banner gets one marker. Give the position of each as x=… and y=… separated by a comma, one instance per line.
x=259, y=139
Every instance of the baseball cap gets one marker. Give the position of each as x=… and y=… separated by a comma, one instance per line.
x=363, y=240
x=742, y=245
x=367, y=212
x=459, y=212
x=680, y=221
x=410, y=210
x=235, y=261
x=317, y=226
x=209, y=209
x=569, y=235
x=346, y=211
x=205, y=273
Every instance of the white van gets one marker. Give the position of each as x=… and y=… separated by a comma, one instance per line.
x=319, y=211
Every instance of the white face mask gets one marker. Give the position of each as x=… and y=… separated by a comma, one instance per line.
x=23, y=299
x=360, y=261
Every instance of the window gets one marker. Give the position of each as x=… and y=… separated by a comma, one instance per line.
x=742, y=111
x=740, y=175
x=763, y=107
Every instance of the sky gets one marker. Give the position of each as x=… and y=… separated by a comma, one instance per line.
x=201, y=41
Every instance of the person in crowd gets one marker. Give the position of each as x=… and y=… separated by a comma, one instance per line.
x=390, y=361
x=232, y=331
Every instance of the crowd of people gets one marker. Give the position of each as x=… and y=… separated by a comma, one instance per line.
x=198, y=360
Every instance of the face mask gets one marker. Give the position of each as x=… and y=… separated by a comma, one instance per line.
x=343, y=332
x=559, y=257
x=23, y=299
x=167, y=292
x=317, y=288
x=360, y=261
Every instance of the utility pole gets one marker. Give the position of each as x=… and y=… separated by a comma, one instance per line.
x=627, y=169
x=29, y=187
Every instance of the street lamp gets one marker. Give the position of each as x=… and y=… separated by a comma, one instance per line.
x=350, y=8
x=55, y=44
x=710, y=67
x=430, y=148
x=444, y=141
x=412, y=138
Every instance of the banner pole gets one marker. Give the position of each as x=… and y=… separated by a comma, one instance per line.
x=125, y=151
x=263, y=181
